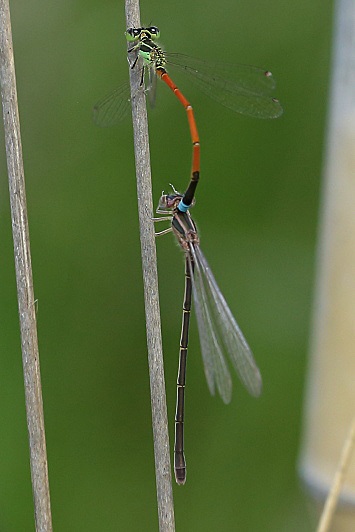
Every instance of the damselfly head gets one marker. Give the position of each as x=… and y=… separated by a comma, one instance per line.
x=169, y=201
x=136, y=34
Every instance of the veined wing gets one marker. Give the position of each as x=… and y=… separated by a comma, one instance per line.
x=230, y=338
x=242, y=88
x=112, y=109
x=237, y=77
x=215, y=366
x=152, y=86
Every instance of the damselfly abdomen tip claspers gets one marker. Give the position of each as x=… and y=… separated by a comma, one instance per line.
x=219, y=332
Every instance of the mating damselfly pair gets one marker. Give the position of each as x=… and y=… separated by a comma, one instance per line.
x=243, y=89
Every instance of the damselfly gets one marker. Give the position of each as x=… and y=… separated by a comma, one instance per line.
x=243, y=89
x=219, y=332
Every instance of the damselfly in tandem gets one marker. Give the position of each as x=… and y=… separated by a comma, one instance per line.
x=242, y=88
x=219, y=332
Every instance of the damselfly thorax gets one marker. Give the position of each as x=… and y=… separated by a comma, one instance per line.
x=185, y=230
x=182, y=224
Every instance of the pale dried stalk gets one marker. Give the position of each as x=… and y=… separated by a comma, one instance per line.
x=332, y=499
x=26, y=305
x=330, y=400
x=151, y=297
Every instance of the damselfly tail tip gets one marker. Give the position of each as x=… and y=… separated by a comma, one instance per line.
x=180, y=476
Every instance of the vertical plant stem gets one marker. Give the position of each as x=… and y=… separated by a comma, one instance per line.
x=28, y=326
x=333, y=496
x=330, y=397
x=150, y=279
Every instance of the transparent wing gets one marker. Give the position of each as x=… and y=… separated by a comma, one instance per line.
x=249, y=78
x=242, y=88
x=223, y=326
x=112, y=109
x=215, y=366
x=152, y=86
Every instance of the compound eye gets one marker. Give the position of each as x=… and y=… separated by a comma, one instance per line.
x=154, y=31
x=132, y=34
x=172, y=200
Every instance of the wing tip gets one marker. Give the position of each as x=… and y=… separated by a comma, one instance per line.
x=257, y=385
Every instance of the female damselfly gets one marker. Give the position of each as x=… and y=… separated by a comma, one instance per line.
x=219, y=332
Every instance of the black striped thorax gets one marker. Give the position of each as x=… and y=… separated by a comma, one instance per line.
x=152, y=53
x=147, y=45
x=184, y=229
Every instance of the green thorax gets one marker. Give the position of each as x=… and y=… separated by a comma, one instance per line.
x=152, y=53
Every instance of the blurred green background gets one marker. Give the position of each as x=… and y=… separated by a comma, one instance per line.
x=257, y=209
